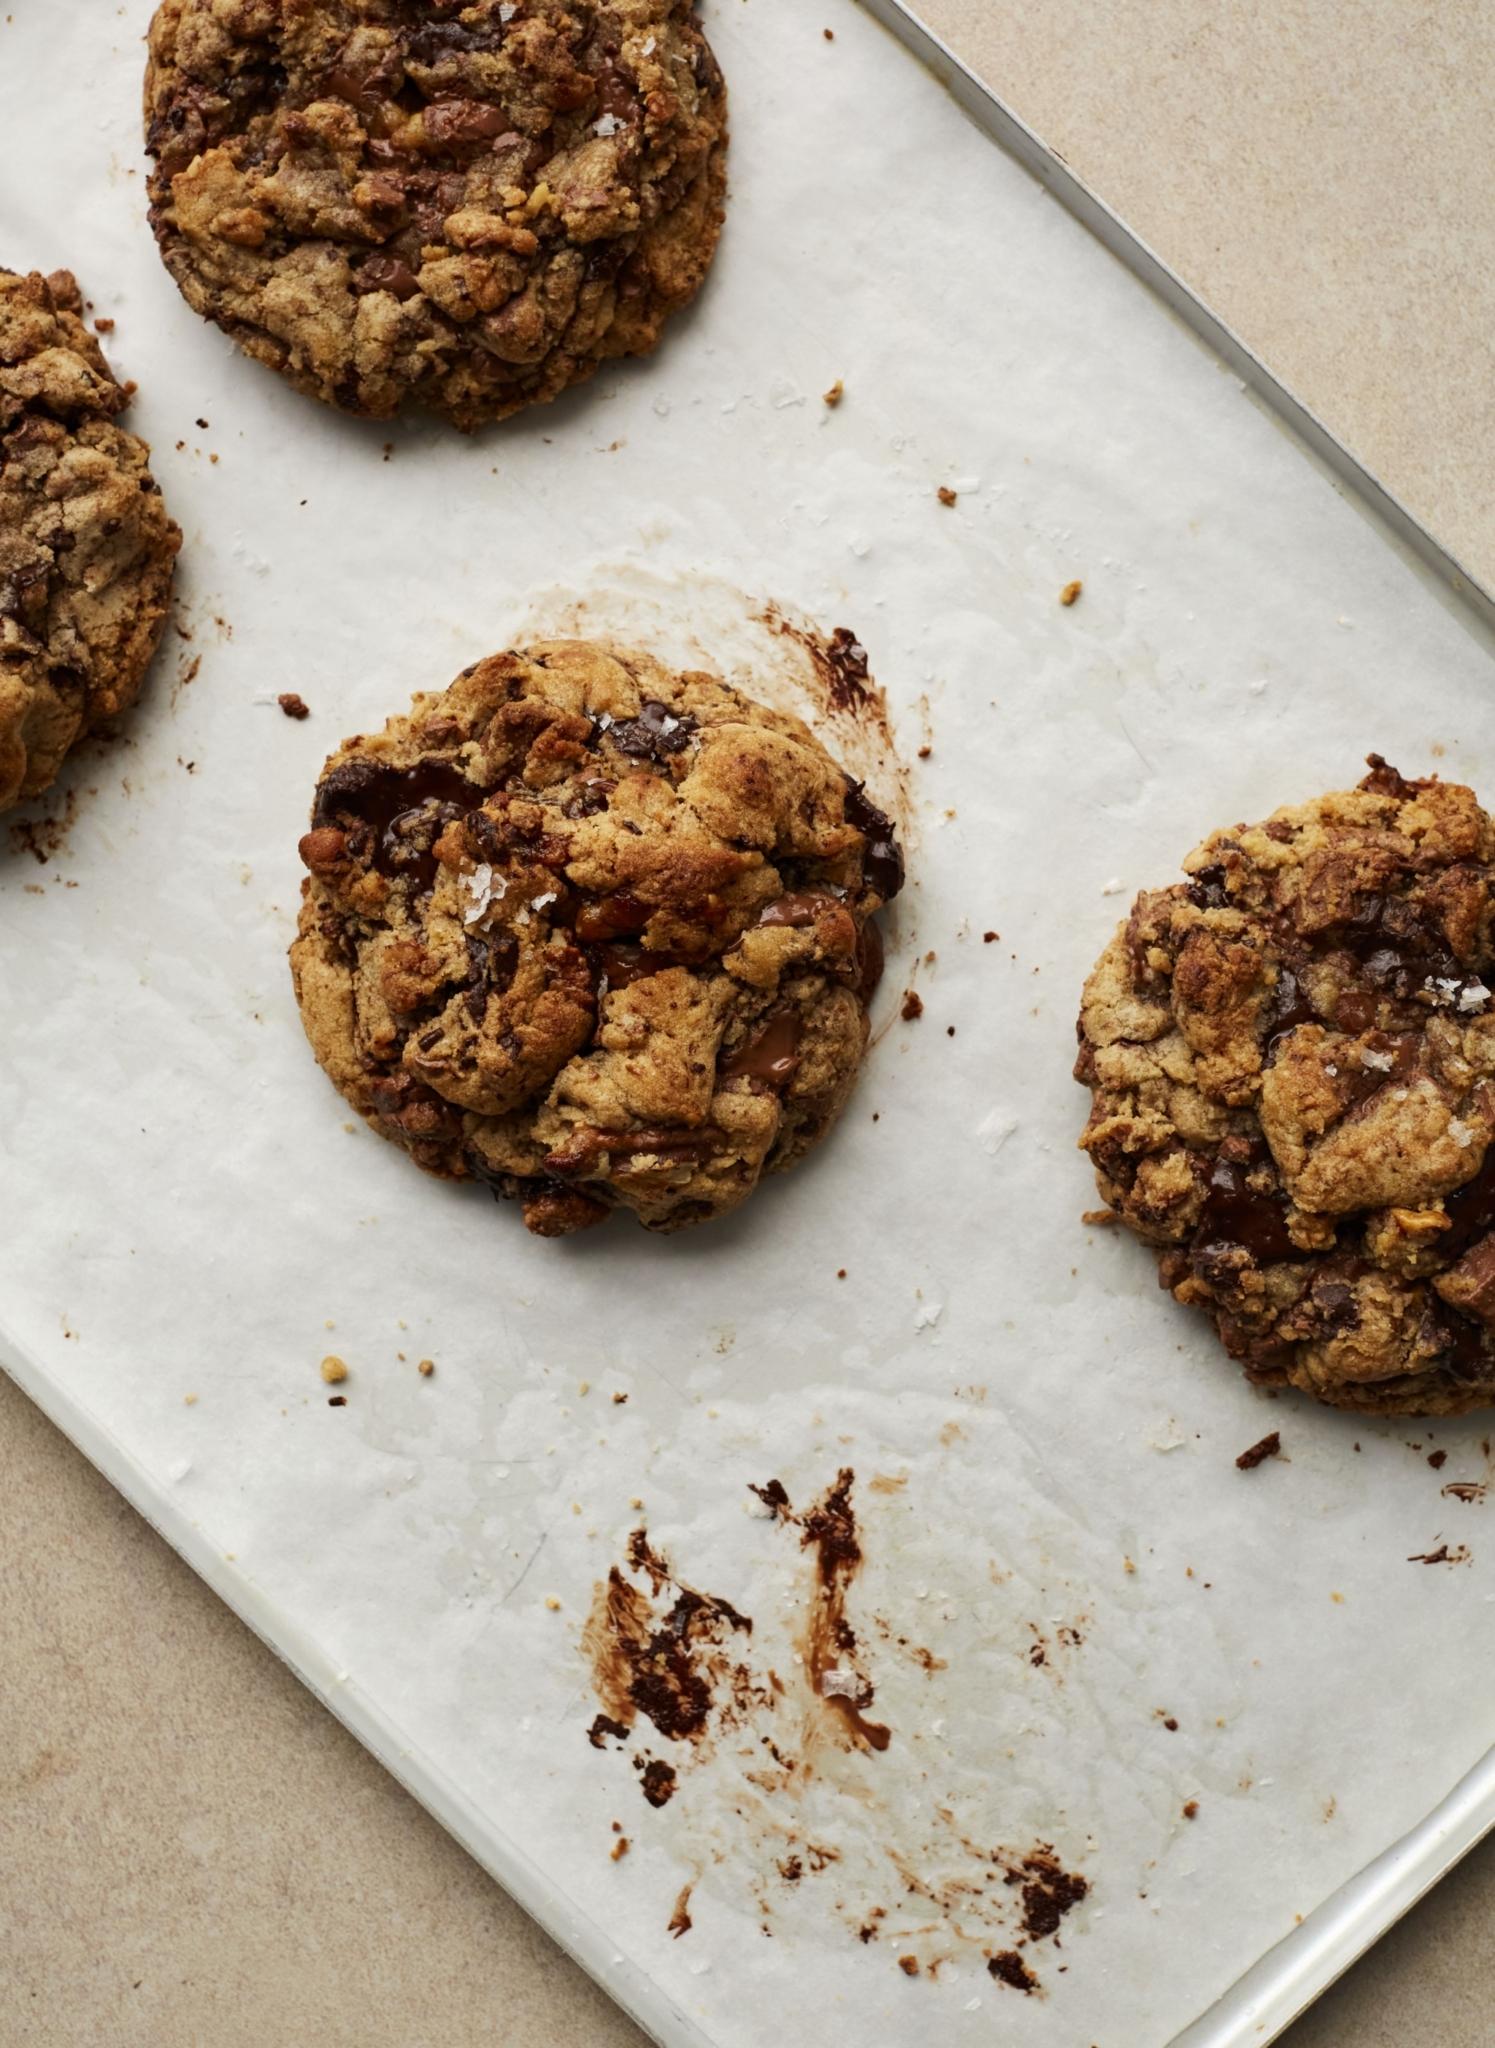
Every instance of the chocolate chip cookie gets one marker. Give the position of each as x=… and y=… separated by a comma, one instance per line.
x=1292, y=1057
x=86, y=547
x=466, y=207
x=594, y=932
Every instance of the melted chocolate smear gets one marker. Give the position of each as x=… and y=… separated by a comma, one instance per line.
x=403, y=810
x=845, y=660
x=882, y=861
x=772, y=1495
x=660, y=1666
x=829, y=1529
x=1233, y=1214
x=655, y=734
x=603, y=1726
x=771, y=1054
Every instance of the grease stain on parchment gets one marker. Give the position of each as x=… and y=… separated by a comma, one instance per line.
x=801, y=1799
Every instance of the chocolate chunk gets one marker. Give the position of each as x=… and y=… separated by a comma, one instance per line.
x=771, y=1054
x=405, y=810
x=655, y=735
x=1236, y=1214
x=882, y=861
x=456, y=120
x=800, y=907
x=1207, y=891
x=381, y=273
x=1469, y=1286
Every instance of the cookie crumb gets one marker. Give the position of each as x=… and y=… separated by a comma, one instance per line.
x=620, y=1848
x=552, y=1603
x=1070, y=592
x=913, y=1006
x=829, y=34
x=619, y=1399
x=1437, y=1459
x=1190, y=1809
x=909, y=1965
x=925, y=752
x=292, y=705
x=946, y=496
x=103, y=325
x=1009, y=1968
x=990, y=938
x=1269, y=1447
x=337, y=1401
x=837, y=392
x=1098, y=1219
x=333, y=1369
x=426, y=1367
x=584, y=1386
x=840, y=1272
x=189, y=1400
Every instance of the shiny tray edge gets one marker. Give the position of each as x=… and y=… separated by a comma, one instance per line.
x=976, y=100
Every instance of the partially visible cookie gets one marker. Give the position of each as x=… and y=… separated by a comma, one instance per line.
x=1292, y=1057
x=461, y=207
x=595, y=932
x=86, y=547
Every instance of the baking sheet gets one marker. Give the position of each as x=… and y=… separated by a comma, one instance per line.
x=186, y=1215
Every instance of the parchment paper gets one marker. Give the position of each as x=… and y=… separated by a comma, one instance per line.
x=185, y=1212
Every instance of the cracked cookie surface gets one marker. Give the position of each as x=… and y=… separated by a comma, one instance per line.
x=420, y=202
x=86, y=547
x=598, y=933
x=1292, y=1058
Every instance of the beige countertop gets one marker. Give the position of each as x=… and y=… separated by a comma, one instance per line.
x=192, y=1852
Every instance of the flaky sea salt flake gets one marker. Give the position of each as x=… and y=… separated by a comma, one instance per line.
x=484, y=887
